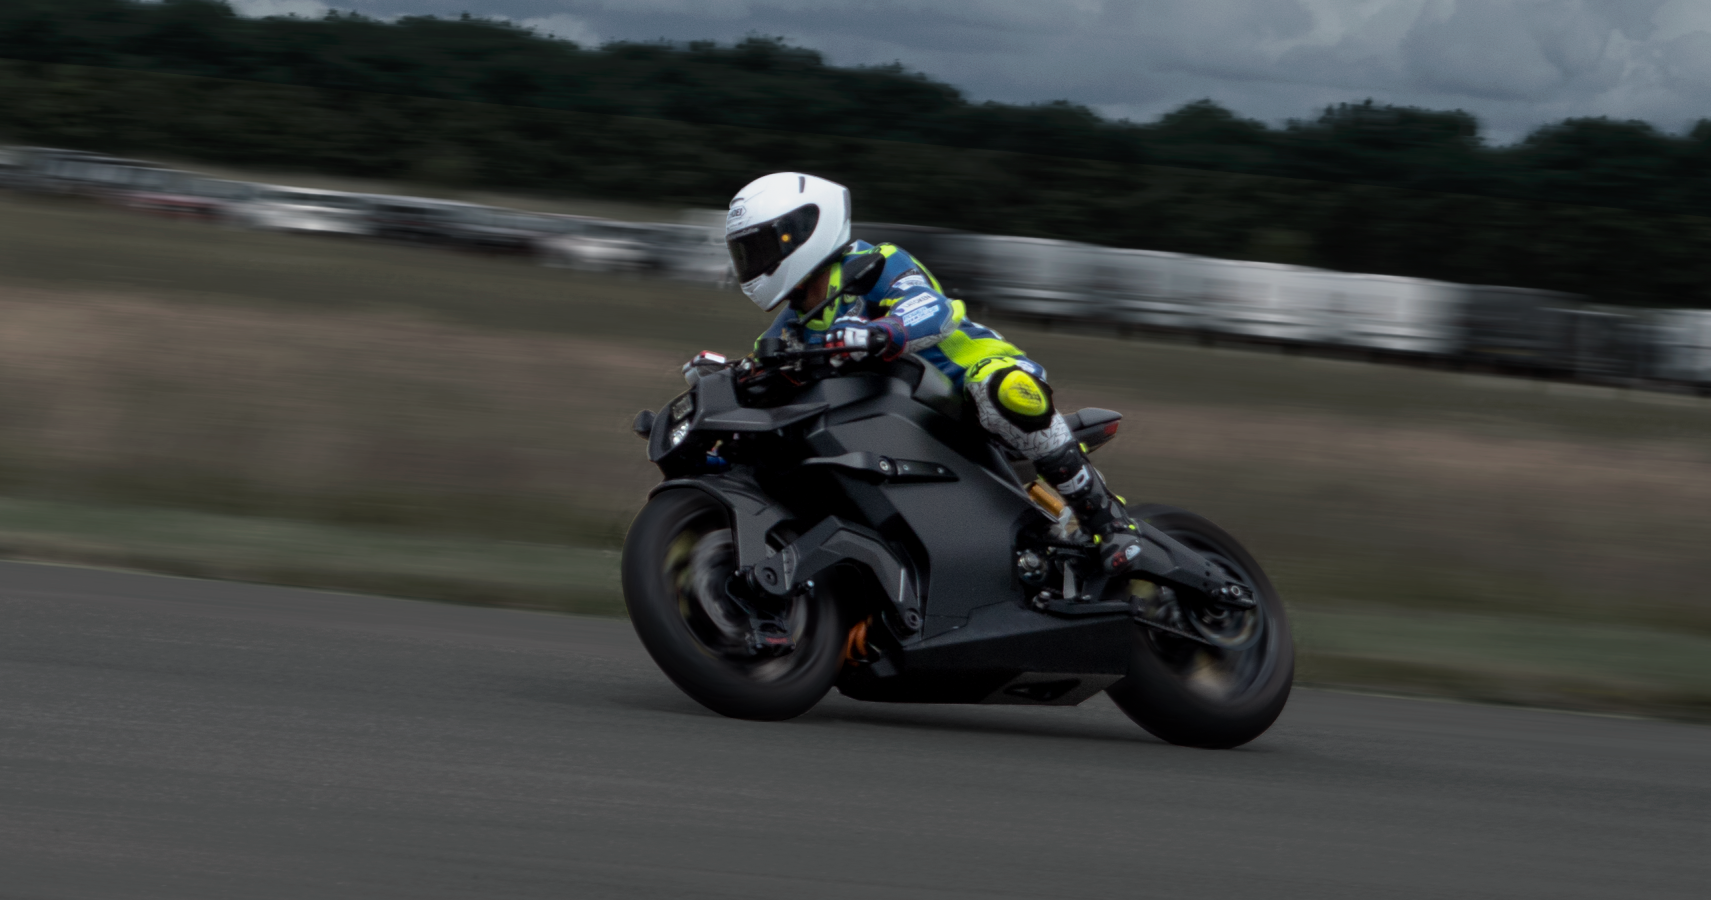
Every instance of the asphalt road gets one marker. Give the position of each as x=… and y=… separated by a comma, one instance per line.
x=183, y=739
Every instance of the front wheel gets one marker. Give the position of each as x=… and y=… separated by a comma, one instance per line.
x=1216, y=695
x=696, y=622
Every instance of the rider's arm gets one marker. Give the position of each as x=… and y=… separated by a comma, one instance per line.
x=916, y=315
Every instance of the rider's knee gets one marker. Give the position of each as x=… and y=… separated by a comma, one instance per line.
x=1008, y=388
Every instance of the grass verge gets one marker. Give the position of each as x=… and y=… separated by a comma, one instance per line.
x=1493, y=659
x=307, y=554
x=1508, y=659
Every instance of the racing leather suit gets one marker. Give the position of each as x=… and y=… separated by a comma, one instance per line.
x=1009, y=391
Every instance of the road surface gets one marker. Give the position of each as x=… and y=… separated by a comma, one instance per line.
x=171, y=738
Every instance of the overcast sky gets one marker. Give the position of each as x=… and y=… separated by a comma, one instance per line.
x=1514, y=63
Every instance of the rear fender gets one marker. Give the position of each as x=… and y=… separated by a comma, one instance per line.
x=1093, y=426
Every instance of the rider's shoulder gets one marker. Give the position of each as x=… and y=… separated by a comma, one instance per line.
x=902, y=272
x=886, y=248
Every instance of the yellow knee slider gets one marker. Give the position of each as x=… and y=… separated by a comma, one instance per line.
x=1019, y=397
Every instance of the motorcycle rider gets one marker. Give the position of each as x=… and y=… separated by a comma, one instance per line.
x=789, y=235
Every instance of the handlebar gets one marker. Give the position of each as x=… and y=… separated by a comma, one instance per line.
x=772, y=350
x=770, y=358
x=808, y=353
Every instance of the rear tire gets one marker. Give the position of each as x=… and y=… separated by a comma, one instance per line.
x=677, y=559
x=1199, y=696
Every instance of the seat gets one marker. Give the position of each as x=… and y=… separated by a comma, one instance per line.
x=1093, y=426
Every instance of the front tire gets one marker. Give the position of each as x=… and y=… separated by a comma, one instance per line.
x=678, y=560
x=1196, y=695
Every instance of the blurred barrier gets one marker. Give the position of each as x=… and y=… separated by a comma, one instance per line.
x=691, y=250
x=1504, y=329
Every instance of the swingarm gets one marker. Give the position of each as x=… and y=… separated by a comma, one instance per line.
x=1184, y=592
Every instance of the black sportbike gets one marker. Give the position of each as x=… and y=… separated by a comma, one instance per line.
x=853, y=526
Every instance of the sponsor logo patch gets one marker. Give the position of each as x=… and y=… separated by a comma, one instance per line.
x=914, y=303
x=979, y=372
x=909, y=281
x=916, y=317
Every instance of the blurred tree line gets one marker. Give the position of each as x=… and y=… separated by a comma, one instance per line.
x=1611, y=209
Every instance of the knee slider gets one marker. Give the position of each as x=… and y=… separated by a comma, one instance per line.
x=1022, y=399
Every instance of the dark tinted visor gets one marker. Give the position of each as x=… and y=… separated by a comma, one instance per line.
x=758, y=249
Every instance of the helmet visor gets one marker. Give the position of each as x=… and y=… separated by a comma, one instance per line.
x=758, y=249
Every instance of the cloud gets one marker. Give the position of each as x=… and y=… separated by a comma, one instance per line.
x=565, y=27
x=1514, y=63
x=308, y=9
x=1687, y=62
x=1500, y=51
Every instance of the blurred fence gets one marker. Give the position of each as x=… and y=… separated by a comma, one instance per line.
x=1512, y=330
x=692, y=250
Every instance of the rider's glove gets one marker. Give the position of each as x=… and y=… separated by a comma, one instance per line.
x=858, y=337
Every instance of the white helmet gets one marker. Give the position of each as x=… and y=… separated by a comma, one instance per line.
x=781, y=228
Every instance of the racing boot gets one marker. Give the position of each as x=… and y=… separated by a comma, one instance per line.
x=1101, y=512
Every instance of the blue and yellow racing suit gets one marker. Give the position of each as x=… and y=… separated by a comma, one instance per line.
x=1009, y=389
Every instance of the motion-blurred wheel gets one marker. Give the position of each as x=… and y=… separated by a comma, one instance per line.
x=1226, y=688
x=697, y=620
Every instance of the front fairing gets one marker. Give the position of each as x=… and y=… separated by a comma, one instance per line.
x=712, y=413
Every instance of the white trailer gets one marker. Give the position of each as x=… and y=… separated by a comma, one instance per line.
x=1683, y=348
x=1397, y=315
x=11, y=167
x=1267, y=301
x=1037, y=276
x=1143, y=287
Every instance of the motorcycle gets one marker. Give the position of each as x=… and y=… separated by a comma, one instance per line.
x=851, y=525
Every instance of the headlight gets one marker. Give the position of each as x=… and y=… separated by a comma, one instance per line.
x=679, y=433
x=682, y=407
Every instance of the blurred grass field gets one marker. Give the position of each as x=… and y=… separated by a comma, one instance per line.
x=182, y=397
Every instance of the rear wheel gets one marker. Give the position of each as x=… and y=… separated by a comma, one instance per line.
x=1219, y=695
x=696, y=620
